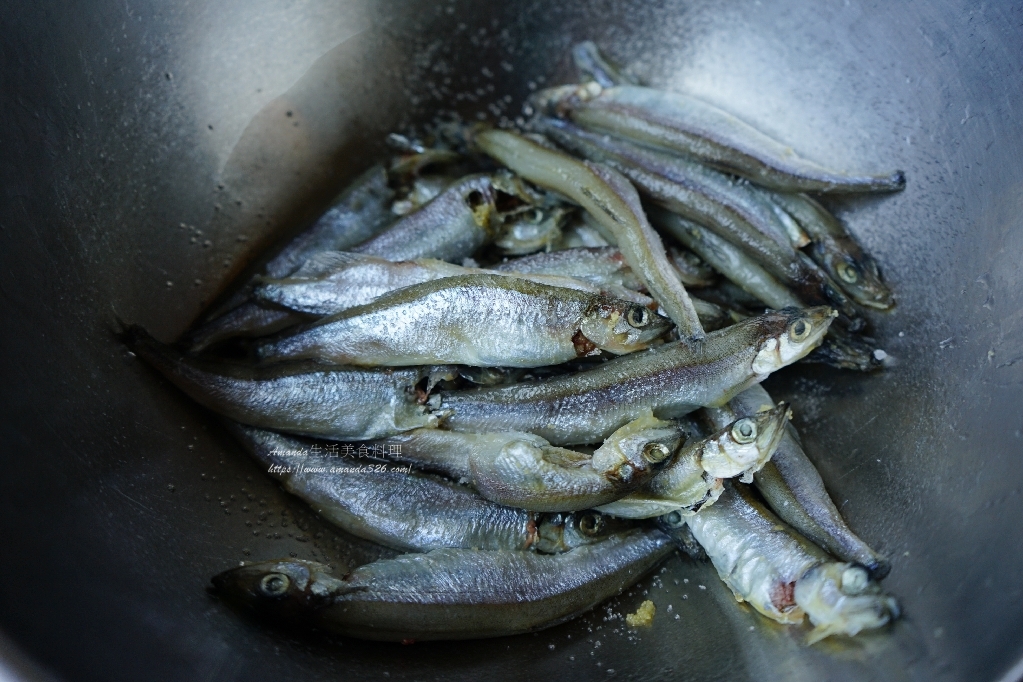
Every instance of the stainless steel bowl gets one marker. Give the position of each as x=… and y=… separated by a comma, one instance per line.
x=150, y=149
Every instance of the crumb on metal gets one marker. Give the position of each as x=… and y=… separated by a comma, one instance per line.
x=643, y=616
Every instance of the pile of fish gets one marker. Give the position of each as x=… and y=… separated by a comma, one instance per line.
x=495, y=318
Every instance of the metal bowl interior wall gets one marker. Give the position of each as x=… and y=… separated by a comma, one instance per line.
x=150, y=150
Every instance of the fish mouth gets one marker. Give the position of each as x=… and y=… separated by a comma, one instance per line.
x=821, y=318
x=773, y=427
x=654, y=332
x=795, y=340
x=879, y=301
x=217, y=583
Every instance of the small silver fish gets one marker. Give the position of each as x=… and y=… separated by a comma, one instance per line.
x=334, y=281
x=733, y=208
x=835, y=250
x=406, y=511
x=525, y=471
x=310, y=399
x=672, y=380
x=782, y=576
x=693, y=480
x=446, y=593
x=687, y=125
x=410, y=511
x=479, y=320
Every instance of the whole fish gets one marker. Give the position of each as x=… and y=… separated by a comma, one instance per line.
x=609, y=198
x=334, y=281
x=672, y=380
x=410, y=512
x=693, y=480
x=447, y=593
x=310, y=399
x=783, y=576
x=794, y=490
x=687, y=125
x=837, y=252
x=480, y=320
x=451, y=227
x=525, y=471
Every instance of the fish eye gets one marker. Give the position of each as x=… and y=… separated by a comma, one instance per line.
x=799, y=330
x=854, y=580
x=744, y=431
x=475, y=199
x=655, y=452
x=591, y=524
x=535, y=216
x=274, y=584
x=638, y=316
x=673, y=519
x=847, y=273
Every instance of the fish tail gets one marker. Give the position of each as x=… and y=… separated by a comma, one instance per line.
x=161, y=356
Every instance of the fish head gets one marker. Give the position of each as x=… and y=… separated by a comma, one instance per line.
x=745, y=445
x=635, y=452
x=564, y=531
x=619, y=326
x=846, y=351
x=283, y=588
x=859, y=277
x=478, y=195
x=532, y=229
x=674, y=525
x=788, y=335
x=840, y=598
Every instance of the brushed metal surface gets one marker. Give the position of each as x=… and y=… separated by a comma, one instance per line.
x=122, y=121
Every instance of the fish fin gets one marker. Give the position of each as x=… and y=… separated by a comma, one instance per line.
x=822, y=631
x=118, y=327
x=327, y=263
x=564, y=457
